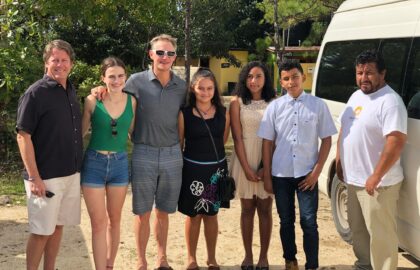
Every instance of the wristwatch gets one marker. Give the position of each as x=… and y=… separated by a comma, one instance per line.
x=31, y=179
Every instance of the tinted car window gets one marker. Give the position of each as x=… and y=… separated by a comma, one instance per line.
x=395, y=53
x=413, y=81
x=336, y=73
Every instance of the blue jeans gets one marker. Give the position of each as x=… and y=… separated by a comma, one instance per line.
x=284, y=189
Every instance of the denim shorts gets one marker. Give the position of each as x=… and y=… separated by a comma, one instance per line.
x=101, y=170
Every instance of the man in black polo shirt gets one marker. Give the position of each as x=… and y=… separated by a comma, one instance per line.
x=50, y=143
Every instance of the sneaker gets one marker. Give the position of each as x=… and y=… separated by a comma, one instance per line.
x=292, y=265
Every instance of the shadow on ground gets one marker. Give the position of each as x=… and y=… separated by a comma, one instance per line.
x=13, y=237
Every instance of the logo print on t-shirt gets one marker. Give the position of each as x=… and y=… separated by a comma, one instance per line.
x=357, y=111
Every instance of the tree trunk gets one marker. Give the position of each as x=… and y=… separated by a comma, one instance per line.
x=187, y=41
x=277, y=40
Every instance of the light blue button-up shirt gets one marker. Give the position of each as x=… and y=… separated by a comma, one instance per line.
x=296, y=124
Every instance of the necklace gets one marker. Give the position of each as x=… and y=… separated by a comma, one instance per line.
x=205, y=112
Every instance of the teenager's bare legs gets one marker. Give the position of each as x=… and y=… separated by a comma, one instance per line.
x=161, y=227
x=192, y=233
x=265, y=217
x=115, y=197
x=211, y=231
x=248, y=207
x=95, y=203
x=38, y=244
x=142, y=232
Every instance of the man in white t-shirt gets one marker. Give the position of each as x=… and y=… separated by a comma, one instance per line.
x=372, y=136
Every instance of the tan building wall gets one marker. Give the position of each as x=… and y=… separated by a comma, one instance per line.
x=227, y=74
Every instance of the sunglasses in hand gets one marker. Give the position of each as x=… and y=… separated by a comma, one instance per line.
x=49, y=194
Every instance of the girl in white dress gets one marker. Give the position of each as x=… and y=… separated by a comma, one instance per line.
x=253, y=93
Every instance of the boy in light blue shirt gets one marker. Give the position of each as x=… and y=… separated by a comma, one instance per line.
x=292, y=126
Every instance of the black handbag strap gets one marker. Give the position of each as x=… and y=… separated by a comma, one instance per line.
x=211, y=136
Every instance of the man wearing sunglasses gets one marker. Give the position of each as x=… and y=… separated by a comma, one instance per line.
x=157, y=157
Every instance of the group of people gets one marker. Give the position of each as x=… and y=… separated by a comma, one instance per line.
x=178, y=158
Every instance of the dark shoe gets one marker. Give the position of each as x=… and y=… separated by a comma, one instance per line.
x=292, y=265
x=247, y=267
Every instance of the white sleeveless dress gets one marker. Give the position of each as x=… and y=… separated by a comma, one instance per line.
x=250, y=116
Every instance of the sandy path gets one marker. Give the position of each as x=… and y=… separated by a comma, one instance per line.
x=76, y=252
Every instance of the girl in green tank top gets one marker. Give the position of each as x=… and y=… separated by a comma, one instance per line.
x=104, y=175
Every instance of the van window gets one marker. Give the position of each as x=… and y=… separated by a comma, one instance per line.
x=395, y=53
x=413, y=81
x=336, y=73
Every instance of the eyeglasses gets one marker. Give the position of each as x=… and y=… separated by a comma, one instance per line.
x=162, y=53
x=114, y=130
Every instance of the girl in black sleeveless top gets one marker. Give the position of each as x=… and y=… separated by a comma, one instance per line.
x=202, y=171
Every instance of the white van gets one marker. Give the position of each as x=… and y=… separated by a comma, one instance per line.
x=393, y=28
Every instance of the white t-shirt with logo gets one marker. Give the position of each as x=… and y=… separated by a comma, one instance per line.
x=365, y=122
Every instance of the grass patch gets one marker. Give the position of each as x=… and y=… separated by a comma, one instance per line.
x=12, y=185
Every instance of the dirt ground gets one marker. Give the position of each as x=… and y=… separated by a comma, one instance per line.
x=76, y=252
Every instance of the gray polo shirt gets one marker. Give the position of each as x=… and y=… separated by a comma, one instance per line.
x=157, y=108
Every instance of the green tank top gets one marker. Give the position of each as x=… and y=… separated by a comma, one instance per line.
x=110, y=134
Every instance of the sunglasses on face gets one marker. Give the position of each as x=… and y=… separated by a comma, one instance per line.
x=114, y=130
x=162, y=53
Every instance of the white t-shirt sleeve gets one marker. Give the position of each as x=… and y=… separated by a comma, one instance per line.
x=394, y=118
x=326, y=125
x=267, y=128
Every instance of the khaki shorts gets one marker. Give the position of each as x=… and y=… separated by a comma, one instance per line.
x=62, y=209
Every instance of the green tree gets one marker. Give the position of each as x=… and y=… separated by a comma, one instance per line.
x=22, y=33
x=22, y=30
x=291, y=12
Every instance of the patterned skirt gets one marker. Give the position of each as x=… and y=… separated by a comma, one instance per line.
x=199, y=190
